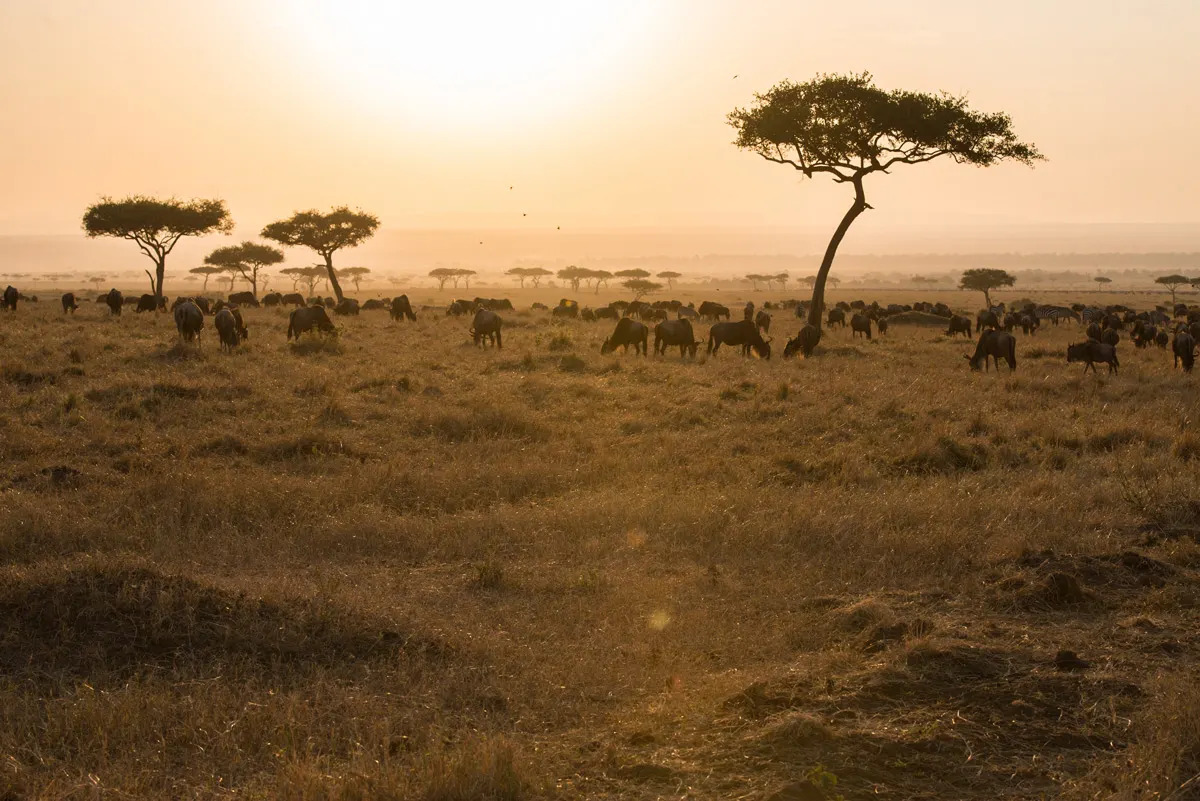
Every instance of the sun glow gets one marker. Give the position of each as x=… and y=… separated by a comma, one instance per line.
x=472, y=62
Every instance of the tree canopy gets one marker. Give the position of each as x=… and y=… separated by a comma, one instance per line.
x=245, y=260
x=324, y=233
x=309, y=275
x=669, y=276
x=985, y=280
x=534, y=274
x=640, y=287
x=355, y=274
x=847, y=128
x=1172, y=283
x=156, y=226
x=573, y=275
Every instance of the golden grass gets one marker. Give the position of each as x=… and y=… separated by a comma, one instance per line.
x=393, y=565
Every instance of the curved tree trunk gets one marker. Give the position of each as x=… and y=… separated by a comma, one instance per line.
x=818, y=297
x=159, y=269
x=333, y=282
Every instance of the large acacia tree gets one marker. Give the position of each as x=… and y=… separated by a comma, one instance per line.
x=244, y=261
x=847, y=128
x=324, y=233
x=156, y=226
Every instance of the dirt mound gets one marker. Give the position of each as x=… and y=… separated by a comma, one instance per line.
x=121, y=621
x=1045, y=580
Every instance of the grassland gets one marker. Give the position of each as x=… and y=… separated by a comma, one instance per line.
x=395, y=566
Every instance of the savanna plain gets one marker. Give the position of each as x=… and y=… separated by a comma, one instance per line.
x=391, y=565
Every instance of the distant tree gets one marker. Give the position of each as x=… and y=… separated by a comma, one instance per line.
x=833, y=280
x=635, y=272
x=536, y=274
x=442, y=275
x=520, y=273
x=755, y=279
x=669, y=276
x=573, y=275
x=640, y=287
x=464, y=275
x=921, y=279
x=1101, y=280
x=244, y=260
x=324, y=233
x=781, y=279
x=985, y=280
x=355, y=274
x=809, y=280
x=1173, y=282
x=602, y=277
x=156, y=226
x=98, y=279
x=309, y=275
x=846, y=127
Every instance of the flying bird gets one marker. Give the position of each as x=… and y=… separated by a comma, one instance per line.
x=734, y=78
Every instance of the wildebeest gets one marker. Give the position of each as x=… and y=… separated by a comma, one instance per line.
x=1162, y=339
x=587, y=315
x=607, y=313
x=805, y=342
x=244, y=299
x=375, y=304
x=565, y=308
x=1028, y=323
x=743, y=333
x=1093, y=331
x=654, y=315
x=1146, y=336
x=307, y=318
x=628, y=332
x=763, y=321
x=715, y=311
x=1091, y=352
x=986, y=319
x=460, y=307
x=188, y=321
x=149, y=303
x=882, y=323
x=687, y=312
x=860, y=324
x=836, y=317
x=673, y=333
x=994, y=345
x=402, y=309
x=494, y=304
x=293, y=299
x=1184, y=348
x=11, y=295
x=347, y=306
x=227, y=329
x=115, y=300
x=748, y=312
x=272, y=299
x=1109, y=336
x=485, y=326
x=959, y=325
x=539, y=306
x=68, y=302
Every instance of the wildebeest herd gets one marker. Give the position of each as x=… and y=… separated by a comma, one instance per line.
x=994, y=327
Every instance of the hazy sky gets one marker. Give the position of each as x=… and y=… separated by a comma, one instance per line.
x=597, y=114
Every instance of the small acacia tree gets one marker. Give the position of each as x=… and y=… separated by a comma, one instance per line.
x=985, y=280
x=520, y=273
x=1102, y=280
x=309, y=275
x=1173, y=282
x=464, y=276
x=670, y=276
x=442, y=275
x=641, y=287
x=602, y=277
x=755, y=279
x=244, y=260
x=207, y=271
x=355, y=274
x=324, y=233
x=781, y=279
x=846, y=127
x=156, y=226
x=635, y=272
x=573, y=275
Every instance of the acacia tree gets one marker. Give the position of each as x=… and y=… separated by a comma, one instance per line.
x=640, y=287
x=985, y=280
x=573, y=275
x=635, y=272
x=1102, y=280
x=206, y=271
x=442, y=275
x=355, y=274
x=156, y=226
x=781, y=279
x=465, y=275
x=846, y=127
x=244, y=260
x=324, y=233
x=669, y=276
x=602, y=277
x=1172, y=282
x=755, y=279
x=309, y=275
x=521, y=273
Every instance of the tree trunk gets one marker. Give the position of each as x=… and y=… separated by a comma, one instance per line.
x=159, y=269
x=987, y=300
x=818, y=295
x=333, y=282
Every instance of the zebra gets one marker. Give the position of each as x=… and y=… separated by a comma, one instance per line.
x=1055, y=314
x=1093, y=315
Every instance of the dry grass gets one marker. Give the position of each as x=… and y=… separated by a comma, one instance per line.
x=392, y=565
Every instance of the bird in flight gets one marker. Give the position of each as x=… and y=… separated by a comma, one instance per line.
x=734, y=78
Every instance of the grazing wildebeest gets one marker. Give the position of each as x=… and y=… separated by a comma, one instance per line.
x=995, y=345
x=1146, y=336
x=882, y=323
x=1091, y=352
x=860, y=324
x=329, y=303
x=836, y=317
x=1162, y=339
x=985, y=319
x=715, y=311
x=68, y=302
x=11, y=295
x=675, y=332
x=763, y=321
x=619, y=305
x=1028, y=323
x=401, y=309
x=307, y=318
x=654, y=315
x=587, y=315
x=244, y=299
x=149, y=303
x=748, y=312
x=460, y=307
x=485, y=326
x=687, y=312
x=293, y=299
x=1093, y=331
x=607, y=313
x=115, y=300
x=272, y=299
x=227, y=329
x=742, y=333
x=1184, y=348
x=188, y=321
x=959, y=325
x=494, y=304
x=638, y=309
x=539, y=306
x=804, y=342
x=565, y=308
x=1109, y=336
x=375, y=304
x=628, y=332
x=347, y=306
